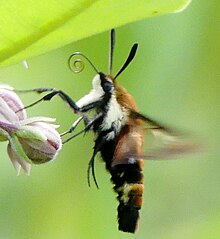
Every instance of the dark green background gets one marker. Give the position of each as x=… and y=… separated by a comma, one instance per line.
x=175, y=79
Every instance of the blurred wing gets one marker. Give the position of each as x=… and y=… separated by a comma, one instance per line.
x=161, y=142
x=129, y=145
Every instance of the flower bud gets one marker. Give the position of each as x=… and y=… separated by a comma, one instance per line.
x=40, y=140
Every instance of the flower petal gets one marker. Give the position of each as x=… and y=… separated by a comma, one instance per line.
x=51, y=134
x=37, y=151
x=5, y=130
x=37, y=119
x=13, y=102
x=14, y=160
x=4, y=135
x=18, y=149
x=31, y=132
x=18, y=162
x=6, y=113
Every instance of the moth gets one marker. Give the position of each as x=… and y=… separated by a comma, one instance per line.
x=119, y=130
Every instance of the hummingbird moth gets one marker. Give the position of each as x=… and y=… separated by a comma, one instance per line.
x=119, y=130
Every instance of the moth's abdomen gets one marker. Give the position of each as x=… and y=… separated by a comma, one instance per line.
x=128, y=180
x=121, y=156
x=128, y=184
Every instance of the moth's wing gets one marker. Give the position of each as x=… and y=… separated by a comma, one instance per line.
x=129, y=145
x=161, y=142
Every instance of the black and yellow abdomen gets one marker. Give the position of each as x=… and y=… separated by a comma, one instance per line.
x=127, y=177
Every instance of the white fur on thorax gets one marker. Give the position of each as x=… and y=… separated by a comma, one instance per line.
x=94, y=95
x=116, y=117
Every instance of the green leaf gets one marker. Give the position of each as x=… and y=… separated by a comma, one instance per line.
x=30, y=28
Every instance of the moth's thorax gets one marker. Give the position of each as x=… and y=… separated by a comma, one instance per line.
x=124, y=98
x=114, y=102
x=115, y=118
x=118, y=110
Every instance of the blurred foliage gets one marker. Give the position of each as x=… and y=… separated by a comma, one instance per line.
x=30, y=28
x=175, y=79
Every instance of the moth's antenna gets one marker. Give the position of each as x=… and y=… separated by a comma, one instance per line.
x=111, y=50
x=129, y=59
x=78, y=65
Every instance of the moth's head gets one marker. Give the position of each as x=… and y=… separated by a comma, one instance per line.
x=102, y=82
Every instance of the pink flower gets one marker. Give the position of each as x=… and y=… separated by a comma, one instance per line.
x=31, y=140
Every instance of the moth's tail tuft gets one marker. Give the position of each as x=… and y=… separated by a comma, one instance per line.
x=128, y=217
x=128, y=180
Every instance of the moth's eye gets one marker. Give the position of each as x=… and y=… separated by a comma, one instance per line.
x=107, y=86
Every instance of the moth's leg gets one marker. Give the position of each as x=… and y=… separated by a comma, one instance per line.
x=87, y=127
x=99, y=142
x=66, y=98
x=90, y=106
x=37, y=90
x=97, y=145
x=71, y=103
x=91, y=166
x=87, y=121
x=74, y=125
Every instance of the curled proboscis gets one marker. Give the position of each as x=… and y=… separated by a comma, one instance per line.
x=76, y=65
